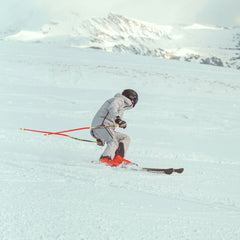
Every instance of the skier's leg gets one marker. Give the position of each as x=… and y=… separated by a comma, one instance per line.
x=109, y=136
x=111, y=148
x=124, y=141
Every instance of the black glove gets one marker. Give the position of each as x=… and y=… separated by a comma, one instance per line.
x=120, y=122
x=100, y=142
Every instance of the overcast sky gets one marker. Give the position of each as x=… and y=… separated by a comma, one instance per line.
x=217, y=12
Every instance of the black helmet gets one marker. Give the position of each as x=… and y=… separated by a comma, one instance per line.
x=132, y=95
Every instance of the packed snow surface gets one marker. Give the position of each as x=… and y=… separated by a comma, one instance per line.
x=187, y=116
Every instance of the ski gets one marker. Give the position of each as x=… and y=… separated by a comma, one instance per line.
x=167, y=171
x=178, y=170
x=136, y=167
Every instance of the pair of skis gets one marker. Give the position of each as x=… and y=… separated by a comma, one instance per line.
x=168, y=171
x=136, y=167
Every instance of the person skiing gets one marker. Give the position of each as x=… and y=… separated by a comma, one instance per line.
x=110, y=114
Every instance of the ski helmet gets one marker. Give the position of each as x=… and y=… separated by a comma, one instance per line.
x=132, y=95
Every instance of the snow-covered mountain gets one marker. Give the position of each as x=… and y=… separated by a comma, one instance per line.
x=204, y=44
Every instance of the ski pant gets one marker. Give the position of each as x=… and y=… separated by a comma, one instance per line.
x=117, y=143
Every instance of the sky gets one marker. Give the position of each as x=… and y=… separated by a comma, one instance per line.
x=216, y=12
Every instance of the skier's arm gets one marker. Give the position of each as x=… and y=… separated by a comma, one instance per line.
x=115, y=106
x=115, y=109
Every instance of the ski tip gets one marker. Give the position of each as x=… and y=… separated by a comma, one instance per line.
x=179, y=170
x=22, y=128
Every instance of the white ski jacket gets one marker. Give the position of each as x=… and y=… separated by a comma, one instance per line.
x=112, y=108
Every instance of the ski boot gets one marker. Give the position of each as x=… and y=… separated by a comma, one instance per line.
x=108, y=161
x=119, y=159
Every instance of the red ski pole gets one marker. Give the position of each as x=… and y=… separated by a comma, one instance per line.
x=78, y=129
x=61, y=132
x=32, y=130
x=98, y=142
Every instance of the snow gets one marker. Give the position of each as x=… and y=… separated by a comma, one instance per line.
x=187, y=116
x=197, y=26
x=26, y=36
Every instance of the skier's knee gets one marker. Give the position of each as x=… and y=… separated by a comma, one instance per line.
x=128, y=139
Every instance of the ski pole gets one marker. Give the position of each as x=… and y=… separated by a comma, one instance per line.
x=77, y=129
x=31, y=130
x=71, y=130
x=98, y=142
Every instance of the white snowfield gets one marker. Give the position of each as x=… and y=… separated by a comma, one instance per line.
x=188, y=115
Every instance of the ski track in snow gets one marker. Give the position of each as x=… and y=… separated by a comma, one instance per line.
x=188, y=116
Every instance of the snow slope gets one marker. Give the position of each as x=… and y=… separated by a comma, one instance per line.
x=187, y=116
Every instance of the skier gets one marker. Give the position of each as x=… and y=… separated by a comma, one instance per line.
x=110, y=114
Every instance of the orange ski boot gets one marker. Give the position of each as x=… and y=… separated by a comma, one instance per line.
x=119, y=159
x=108, y=161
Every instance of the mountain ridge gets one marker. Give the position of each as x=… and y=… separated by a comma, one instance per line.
x=205, y=44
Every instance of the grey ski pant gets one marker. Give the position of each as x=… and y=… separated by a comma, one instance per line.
x=117, y=143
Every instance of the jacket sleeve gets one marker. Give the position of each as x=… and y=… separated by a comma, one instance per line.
x=115, y=107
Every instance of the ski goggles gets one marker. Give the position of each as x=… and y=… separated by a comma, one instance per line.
x=134, y=101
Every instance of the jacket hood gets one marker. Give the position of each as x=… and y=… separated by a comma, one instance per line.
x=127, y=102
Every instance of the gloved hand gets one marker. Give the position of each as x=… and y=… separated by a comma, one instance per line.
x=120, y=122
x=100, y=142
